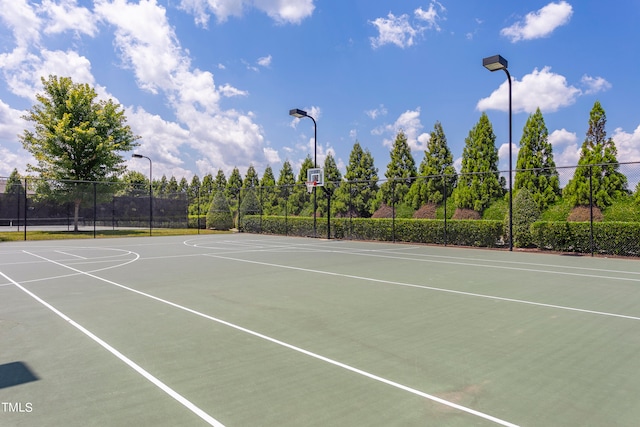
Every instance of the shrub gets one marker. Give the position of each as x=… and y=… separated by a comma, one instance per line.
x=525, y=213
x=219, y=216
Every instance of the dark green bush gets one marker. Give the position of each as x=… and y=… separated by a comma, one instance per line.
x=219, y=216
x=609, y=238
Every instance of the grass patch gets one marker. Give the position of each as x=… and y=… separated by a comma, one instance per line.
x=15, y=236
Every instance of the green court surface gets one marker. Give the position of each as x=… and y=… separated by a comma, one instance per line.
x=251, y=330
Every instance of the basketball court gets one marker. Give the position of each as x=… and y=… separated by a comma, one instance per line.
x=253, y=330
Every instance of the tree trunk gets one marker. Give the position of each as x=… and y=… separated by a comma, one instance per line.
x=76, y=214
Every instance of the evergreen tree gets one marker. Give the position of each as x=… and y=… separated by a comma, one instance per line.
x=251, y=178
x=357, y=195
x=300, y=202
x=401, y=172
x=183, y=186
x=525, y=213
x=234, y=185
x=172, y=186
x=535, y=168
x=598, y=160
x=250, y=204
x=332, y=180
x=14, y=185
x=219, y=216
x=195, y=197
x=160, y=186
x=207, y=189
x=286, y=181
x=220, y=182
x=268, y=195
x=479, y=183
x=437, y=174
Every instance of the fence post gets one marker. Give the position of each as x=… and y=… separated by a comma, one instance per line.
x=25, y=208
x=444, y=186
x=95, y=207
x=591, y=207
x=393, y=210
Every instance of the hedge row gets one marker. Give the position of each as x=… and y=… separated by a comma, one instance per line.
x=609, y=238
x=464, y=233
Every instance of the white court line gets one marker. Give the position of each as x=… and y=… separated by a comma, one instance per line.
x=162, y=386
x=66, y=253
x=298, y=349
x=431, y=288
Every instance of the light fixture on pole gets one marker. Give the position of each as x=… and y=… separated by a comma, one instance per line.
x=495, y=63
x=140, y=156
x=296, y=112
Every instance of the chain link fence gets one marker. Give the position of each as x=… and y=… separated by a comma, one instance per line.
x=597, y=213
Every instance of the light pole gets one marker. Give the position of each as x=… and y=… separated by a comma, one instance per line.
x=140, y=156
x=296, y=112
x=495, y=63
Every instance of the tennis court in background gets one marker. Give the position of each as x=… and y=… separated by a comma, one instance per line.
x=253, y=330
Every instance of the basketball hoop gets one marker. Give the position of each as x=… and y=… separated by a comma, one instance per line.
x=310, y=186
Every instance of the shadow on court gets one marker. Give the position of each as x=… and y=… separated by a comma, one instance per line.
x=16, y=373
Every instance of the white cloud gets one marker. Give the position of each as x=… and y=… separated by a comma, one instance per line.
x=540, y=23
x=376, y=112
x=229, y=91
x=409, y=123
x=431, y=16
x=66, y=15
x=400, y=31
x=393, y=30
x=265, y=61
x=23, y=21
x=595, y=84
x=282, y=11
x=226, y=138
x=544, y=89
x=628, y=144
x=566, y=152
x=271, y=155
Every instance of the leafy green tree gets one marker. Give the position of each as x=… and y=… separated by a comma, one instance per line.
x=286, y=182
x=598, y=161
x=535, y=168
x=76, y=138
x=268, y=195
x=479, y=183
x=134, y=183
x=438, y=176
x=332, y=180
x=357, y=194
x=219, y=216
x=401, y=172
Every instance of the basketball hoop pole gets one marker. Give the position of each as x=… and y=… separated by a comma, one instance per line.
x=296, y=112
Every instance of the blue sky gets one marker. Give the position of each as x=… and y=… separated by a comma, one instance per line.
x=208, y=84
